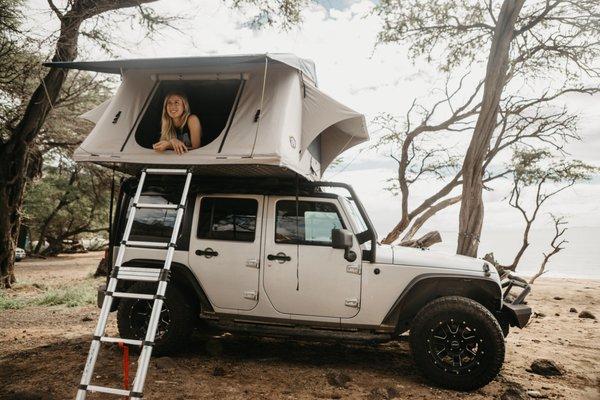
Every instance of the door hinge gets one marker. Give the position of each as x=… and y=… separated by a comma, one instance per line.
x=353, y=269
x=352, y=303
x=250, y=295
x=252, y=263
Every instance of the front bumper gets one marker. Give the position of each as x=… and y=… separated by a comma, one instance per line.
x=516, y=314
x=514, y=310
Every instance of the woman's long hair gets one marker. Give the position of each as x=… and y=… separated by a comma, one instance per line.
x=167, y=127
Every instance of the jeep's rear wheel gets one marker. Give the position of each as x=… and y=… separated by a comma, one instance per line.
x=457, y=343
x=174, y=326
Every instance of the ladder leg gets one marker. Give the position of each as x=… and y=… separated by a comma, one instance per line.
x=146, y=353
x=90, y=363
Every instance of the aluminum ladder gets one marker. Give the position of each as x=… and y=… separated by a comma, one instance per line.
x=119, y=272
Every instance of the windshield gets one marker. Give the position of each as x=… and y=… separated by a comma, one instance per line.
x=360, y=222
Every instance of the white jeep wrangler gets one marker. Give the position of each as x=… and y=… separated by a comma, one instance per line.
x=283, y=257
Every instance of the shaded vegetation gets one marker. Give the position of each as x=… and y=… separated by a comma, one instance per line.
x=76, y=294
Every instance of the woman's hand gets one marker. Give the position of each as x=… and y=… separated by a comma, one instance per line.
x=161, y=146
x=178, y=146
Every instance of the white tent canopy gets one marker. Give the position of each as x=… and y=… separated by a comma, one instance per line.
x=258, y=113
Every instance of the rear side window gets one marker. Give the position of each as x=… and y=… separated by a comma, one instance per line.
x=311, y=224
x=227, y=219
x=153, y=225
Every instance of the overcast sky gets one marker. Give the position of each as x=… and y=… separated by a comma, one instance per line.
x=340, y=37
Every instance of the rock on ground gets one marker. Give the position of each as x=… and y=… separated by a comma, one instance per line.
x=383, y=393
x=338, y=379
x=536, y=394
x=513, y=393
x=586, y=314
x=546, y=367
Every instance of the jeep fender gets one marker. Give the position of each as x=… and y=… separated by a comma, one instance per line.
x=180, y=276
x=428, y=287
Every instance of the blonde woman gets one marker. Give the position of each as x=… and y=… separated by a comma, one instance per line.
x=180, y=129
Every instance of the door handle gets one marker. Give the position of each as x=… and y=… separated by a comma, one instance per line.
x=282, y=257
x=208, y=253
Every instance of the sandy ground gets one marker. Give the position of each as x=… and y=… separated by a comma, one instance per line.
x=42, y=351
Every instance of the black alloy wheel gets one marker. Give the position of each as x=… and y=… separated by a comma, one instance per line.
x=455, y=346
x=139, y=318
x=457, y=343
x=176, y=322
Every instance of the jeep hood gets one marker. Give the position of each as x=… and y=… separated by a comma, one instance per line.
x=409, y=256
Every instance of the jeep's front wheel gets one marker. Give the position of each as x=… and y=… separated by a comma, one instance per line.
x=457, y=343
x=175, y=321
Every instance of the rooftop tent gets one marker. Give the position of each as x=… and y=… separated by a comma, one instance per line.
x=260, y=115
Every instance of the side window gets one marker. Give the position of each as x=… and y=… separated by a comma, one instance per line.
x=153, y=225
x=227, y=219
x=312, y=224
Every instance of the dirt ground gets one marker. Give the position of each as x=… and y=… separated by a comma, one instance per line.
x=43, y=348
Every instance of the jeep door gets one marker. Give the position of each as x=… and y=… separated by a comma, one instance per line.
x=225, y=248
x=304, y=274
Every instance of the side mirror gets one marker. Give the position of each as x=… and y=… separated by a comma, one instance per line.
x=342, y=239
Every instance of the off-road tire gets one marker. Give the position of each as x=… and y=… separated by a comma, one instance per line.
x=179, y=312
x=505, y=326
x=470, y=317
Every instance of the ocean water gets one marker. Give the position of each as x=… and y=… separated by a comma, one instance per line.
x=579, y=259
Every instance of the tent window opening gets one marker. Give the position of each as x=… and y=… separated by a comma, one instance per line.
x=211, y=100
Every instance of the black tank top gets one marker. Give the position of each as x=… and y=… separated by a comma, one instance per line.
x=183, y=134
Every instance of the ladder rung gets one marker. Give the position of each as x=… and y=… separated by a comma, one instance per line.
x=158, y=206
x=143, y=274
x=166, y=171
x=151, y=245
x=133, y=342
x=138, y=269
x=103, y=389
x=140, y=296
x=141, y=278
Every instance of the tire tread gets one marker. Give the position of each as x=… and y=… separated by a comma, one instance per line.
x=462, y=305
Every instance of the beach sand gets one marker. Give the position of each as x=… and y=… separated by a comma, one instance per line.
x=42, y=351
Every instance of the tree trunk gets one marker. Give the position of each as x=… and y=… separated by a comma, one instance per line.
x=524, y=246
x=419, y=222
x=14, y=154
x=423, y=207
x=425, y=241
x=471, y=208
x=10, y=221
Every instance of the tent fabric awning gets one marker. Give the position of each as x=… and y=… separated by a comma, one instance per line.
x=233, y=62
x=95, y=114
x=337, y=126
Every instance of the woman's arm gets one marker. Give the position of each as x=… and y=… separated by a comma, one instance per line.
x=162, y=145
x=174, y=144
x=195, y=130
